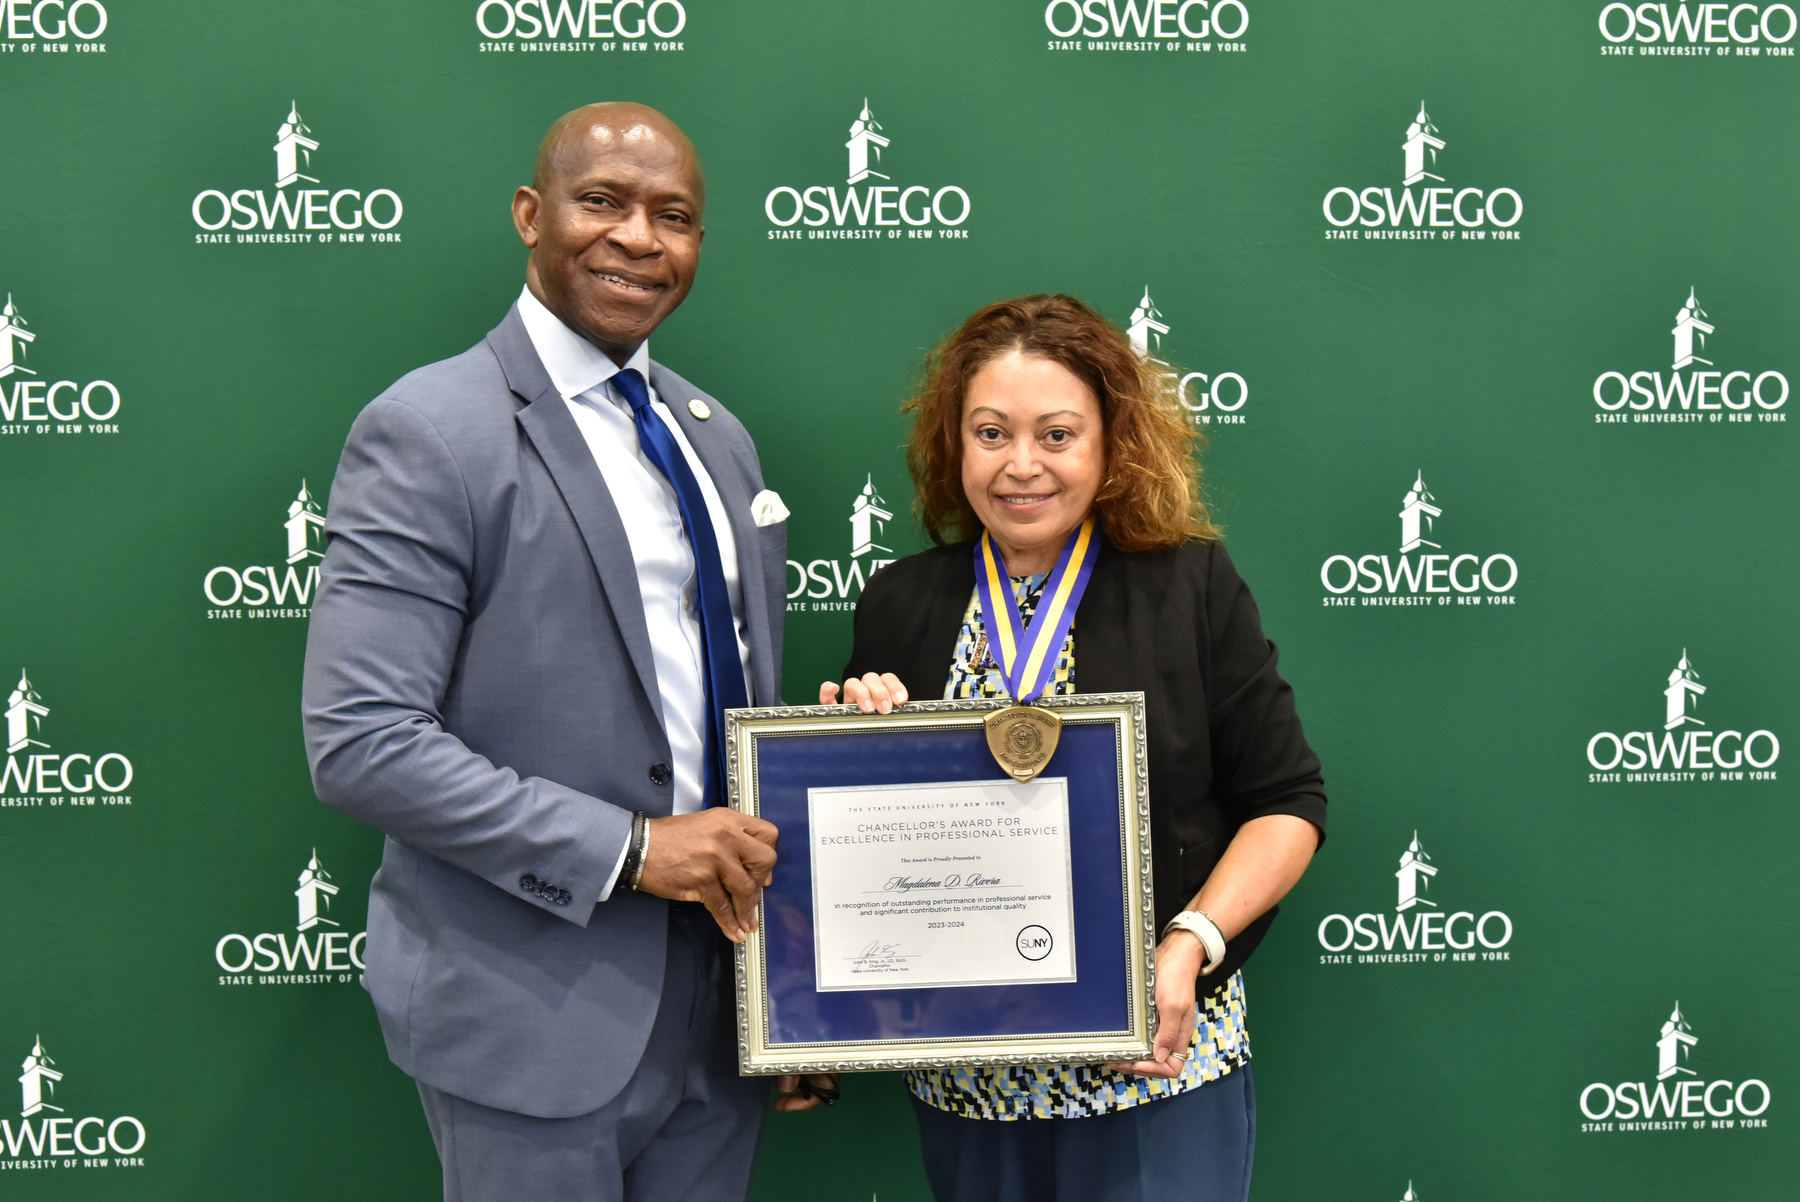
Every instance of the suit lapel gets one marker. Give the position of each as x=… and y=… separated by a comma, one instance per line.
x=734, y=495
x=552, y=430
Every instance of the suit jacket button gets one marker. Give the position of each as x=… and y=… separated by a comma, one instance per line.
x=660, y=774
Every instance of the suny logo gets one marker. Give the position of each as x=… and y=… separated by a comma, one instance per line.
x=52, y=1142
x=909, y=210
x=340, y=215
x=328, y=956
x=1429, y=212
x=1464, y=578
x=265, y=591
x=37, y=406
x=1429, y=934
x=825, y=584
x=1642, y=396
x=1706, y=29
x=1684, y=749
x=1679, y=1096
x=1208, y=402
x=34, y=778
x=584, y=25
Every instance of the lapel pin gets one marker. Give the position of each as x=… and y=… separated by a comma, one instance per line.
x=699, y=409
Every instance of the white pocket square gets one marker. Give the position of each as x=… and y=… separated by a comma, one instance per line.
x=767, y=509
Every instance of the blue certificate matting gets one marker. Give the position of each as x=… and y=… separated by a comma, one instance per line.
x=1097, y=1001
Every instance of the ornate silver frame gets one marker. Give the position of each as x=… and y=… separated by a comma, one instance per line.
x=755, y=1054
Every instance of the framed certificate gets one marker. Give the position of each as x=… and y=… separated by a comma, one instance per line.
x=930, y=909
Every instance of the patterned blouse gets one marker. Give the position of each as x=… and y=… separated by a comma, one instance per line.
x=1220, y=1043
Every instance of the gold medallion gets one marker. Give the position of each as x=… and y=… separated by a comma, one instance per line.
x=1023, y=738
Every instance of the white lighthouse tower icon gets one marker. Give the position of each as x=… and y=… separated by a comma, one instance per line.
x=868, y=520
x=305, y=528
x=38, y=1082
x=863, y=138
x=14, y=338
x=1673, y=1046
x=24, y=715
x=1145, y=327
x=1420, y=139
x=1689, y=323
x=1416, y=514
x=1415, y=876
x=1684, y=686
x=293, y=149
x=315, y=883
x=1409, y=1196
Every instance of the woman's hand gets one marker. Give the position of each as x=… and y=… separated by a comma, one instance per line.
x=872, y=694
x=1262, y=862
x=820, y=1088
x=1178, y=962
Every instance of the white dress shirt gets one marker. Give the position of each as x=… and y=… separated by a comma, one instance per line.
x=659, y=546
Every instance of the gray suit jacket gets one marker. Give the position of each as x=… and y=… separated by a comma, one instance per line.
x=479, y=685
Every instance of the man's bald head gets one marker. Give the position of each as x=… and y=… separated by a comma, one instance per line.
x=608, y=127
x=612, y=218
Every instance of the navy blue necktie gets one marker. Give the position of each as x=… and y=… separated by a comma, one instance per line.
x=724, y=671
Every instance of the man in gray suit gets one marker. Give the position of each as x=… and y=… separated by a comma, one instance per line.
x=552, y=564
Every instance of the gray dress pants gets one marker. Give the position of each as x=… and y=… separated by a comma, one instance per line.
x=684, y=1126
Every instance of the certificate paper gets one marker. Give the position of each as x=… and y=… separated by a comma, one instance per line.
x=964, y=883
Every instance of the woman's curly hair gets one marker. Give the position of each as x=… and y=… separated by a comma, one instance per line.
x=1149, y=499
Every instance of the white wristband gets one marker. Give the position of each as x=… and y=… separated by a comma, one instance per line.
x=1204, y=929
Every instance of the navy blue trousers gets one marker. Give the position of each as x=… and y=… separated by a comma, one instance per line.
x=1194, y=1147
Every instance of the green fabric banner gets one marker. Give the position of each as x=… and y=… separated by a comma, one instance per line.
x=1485, y=309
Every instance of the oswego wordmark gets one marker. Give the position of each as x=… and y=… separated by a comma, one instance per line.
x=47, y=1137
x=1208, y=401
x=889, y=211
x=1421, y=932
x=1448, y=213
x=577, y=26
x=301, y=216
x=1711, y=392
x=1661, y=30
x=1147, y=25
x=1684, y=749
x=1434, y=577
x=30, y=404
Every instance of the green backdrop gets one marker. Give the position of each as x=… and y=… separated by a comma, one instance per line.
x=1631, y=534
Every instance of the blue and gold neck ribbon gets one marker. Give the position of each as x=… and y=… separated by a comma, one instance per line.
x=1026, y=655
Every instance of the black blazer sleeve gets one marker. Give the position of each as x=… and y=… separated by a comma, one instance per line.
x=1262, y=763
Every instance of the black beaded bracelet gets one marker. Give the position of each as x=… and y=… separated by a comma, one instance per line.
x=637, y=875
x=634, y=854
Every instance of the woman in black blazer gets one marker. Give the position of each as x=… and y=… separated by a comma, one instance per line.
x=1037, y=416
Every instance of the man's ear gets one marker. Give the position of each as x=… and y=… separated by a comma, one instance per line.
x=527, y=205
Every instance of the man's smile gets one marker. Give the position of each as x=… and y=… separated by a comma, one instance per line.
x=625, y=283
